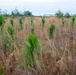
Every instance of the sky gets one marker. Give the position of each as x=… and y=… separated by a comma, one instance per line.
x=40, y=7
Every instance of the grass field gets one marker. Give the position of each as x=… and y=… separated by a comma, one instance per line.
x=38, y=46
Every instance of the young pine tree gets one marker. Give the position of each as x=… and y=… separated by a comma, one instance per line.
x=21, y=23
x=12, y=23
x=11, y=31
x=51, y=31
x=43, y=22
x=31, y=21
x=2, y=21
x=73, y=20
x=6, y=43
x=32, y=31
x=30, y=50
x=63, y=21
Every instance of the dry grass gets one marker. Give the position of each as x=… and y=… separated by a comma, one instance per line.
x=57, y=56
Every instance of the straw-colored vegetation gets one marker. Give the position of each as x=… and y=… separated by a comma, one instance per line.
x=37, y=46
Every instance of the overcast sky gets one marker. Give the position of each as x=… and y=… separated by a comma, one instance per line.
x=40, y=7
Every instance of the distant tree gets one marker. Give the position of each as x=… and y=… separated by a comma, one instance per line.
x=5, y=13
x=27, y=13
x=16, y=13
x=67, y=15
x=74, y=15
x=59, y=14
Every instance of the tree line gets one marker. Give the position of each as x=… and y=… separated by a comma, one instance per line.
x=60, y=14
x=16, y=12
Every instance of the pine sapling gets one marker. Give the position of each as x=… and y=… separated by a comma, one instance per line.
x=51, y=31
x=12, y=23
x=11, y=31
x=31, y=21
x=2, y=21
x=30, y=50
x=73, y=20
x=32, y=31
x=63, y=21
x=21, y=23
x=43, y=22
